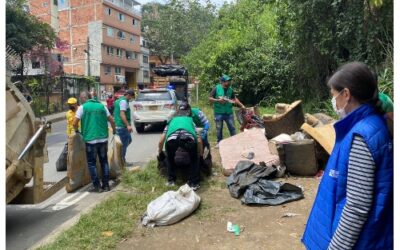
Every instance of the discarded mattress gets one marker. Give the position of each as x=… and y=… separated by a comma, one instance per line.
x=171, y=207
x=251, y=181
x=232, y=148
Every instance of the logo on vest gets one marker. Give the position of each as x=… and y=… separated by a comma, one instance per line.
x=333, y=173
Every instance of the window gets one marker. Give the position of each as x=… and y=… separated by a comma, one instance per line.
x=65, y=59
x=107, y=11
x=121, y=17
x=119, y=52
x=35, y=65
x=107, y=70
x=133, y=39
x=130, y=55
x=135, y=22
x=121, y=35
x=44, y=4
x=59, y=58
x=152, y=65
x=110, y=32
x=55, y=2
x=145, y=73
x=117, y=70
x=110, y=50
x=145, y=59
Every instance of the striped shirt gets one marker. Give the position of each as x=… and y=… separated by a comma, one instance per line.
x=203, y=119
x=359, y=196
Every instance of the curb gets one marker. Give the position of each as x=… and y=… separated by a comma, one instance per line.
x=56, y=117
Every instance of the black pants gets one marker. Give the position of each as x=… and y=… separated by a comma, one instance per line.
x=192, y=171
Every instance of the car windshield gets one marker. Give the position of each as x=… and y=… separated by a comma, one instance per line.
x=154, y=96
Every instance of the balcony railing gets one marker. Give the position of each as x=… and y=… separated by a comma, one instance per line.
x=127, y=5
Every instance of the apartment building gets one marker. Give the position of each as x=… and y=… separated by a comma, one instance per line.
x=144, y=72
x=103, y=38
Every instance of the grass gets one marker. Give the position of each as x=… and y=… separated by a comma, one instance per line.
x=117, y=217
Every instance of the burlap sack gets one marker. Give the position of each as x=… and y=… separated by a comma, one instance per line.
x=77, y=170
x=114, y=155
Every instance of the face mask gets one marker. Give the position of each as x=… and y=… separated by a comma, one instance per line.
x=340, y=112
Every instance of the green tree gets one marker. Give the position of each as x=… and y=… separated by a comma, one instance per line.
x=25, y=32
x=286, y=50
x=174, y=28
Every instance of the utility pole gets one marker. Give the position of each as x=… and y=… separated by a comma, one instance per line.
x=87, y=51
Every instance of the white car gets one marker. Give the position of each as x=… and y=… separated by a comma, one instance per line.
x=153, y=106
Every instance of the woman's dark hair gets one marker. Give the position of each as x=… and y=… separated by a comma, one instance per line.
x=360, y=80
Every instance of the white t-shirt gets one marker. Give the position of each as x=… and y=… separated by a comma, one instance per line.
x=123, y=105
x=79, y=114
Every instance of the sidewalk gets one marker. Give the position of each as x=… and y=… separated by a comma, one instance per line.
x=56, y=117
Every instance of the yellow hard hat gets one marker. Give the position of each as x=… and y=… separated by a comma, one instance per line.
x=72, y=100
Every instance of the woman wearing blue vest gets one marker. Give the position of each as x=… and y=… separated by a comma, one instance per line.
x=353, y=208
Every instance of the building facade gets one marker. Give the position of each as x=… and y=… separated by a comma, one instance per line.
x=103, y=38
x=144, y=72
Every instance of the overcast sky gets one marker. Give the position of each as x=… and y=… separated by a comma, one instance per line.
x=216, y=2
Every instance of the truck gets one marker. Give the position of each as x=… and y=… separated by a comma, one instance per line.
x=178, y=79
x=26, y=152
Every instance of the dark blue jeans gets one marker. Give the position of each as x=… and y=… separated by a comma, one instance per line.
x=192, y=171
x=126, y=139
x=100, y=150
x=219, y=122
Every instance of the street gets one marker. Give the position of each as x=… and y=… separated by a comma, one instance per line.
x=27, y=225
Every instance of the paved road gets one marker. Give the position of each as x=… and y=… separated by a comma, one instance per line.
x=27, y=225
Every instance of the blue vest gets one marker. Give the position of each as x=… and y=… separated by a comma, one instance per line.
x=377, y=232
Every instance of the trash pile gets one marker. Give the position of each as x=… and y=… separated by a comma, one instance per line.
x=291, y=142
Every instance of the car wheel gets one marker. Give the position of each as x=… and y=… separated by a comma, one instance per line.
x=139, y=127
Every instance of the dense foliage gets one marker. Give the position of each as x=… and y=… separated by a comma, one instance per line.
x=25, y=32
x=285, y=50
x=172, y=29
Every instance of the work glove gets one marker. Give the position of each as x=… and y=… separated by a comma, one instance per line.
x=161, y=156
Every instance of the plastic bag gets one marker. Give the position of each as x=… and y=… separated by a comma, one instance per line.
x=61, y=164
x=171, y=207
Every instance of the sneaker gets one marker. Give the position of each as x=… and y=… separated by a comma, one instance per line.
x=95, y=189
x=170, y=184
x=194, y=187
x=106, y=188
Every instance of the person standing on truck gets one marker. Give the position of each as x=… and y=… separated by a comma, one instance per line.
x=94, y=116
x=223, y=97
x=122, y=116
x=181, y=146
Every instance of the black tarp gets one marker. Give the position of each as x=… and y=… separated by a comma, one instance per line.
x=251, y=181
x=170, y=70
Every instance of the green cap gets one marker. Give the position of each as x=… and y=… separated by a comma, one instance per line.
x=225, y=78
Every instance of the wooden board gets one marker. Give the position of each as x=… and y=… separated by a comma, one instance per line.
x=324, y=135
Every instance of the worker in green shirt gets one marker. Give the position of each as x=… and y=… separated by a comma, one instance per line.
x=94, y=116
x=181, y=145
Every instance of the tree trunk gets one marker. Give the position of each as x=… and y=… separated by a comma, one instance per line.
x=21, y=56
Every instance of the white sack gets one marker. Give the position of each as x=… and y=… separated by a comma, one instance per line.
x=171, y=207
